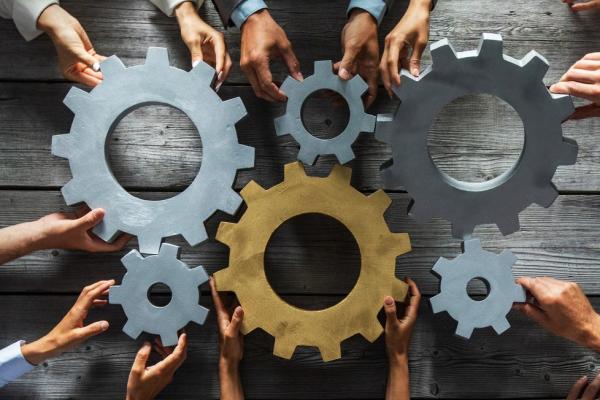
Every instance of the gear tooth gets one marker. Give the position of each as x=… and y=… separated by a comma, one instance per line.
x=149, y=244
x=438, y=304
x=133, y=259
x=536, y=63
x=490, y=46
x=106, y=230
x=509, y=225
x=340, y=174
x=330, y=352
x=234, y=109
x=500, y=325
x=419, y=212
x=463, y=330
x=131, y=330
x=293, y=171
x=407, y=83
x=283, y=347
x=76, y=99
x=399, y=290
x=323, y=67
x=169, y=251
x=380, y=200
x=307, y=156
x=442, y=53
x=373, y=331
x=441, y=267
x=245, y=156
x=472, y=246
x=507, y=258
x=62, y=145
x=199, y=315
x=344, y=156
x=368, y=123
x=116, y=294
x=111, y=66
x=223, y=283
x=546, y=195
x=199, y=275
x=194, y=234
x=169, y=338
x=289, y=85
x=225, y=232
x=203, y=74
x=283, y=125
x=230, y=202
x=519, y=294
x=252, y=191
x=564, y=105
x=357, y=86
x=569, y=152
x=157, y=57
x=71, y=193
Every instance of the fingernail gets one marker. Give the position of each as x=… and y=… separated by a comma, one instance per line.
x=552, y=87
x=194, y=63
x=388, y=301
x=415, y=72
x=104, y=325
x=238, y=311
x=96, y=66
x=219, y=84
x=344, y=74
x=299, y=76
x=220, y=76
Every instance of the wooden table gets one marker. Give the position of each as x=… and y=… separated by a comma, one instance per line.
x=312, y=261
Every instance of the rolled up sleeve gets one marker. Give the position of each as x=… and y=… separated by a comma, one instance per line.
x=12, y=363
x=168, y=6
x=25, y=14
x=376, y=8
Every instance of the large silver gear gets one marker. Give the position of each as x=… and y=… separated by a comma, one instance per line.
x=474, y=263
x=96, y=114
x=291, y=122
x=142, y=274
x=452, y=75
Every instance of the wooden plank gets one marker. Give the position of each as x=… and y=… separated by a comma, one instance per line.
x=158, y=148
x=525, y=362
x=314, y=256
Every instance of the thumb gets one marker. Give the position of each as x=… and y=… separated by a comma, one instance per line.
x=588, y=5
x=389, y=306
x=91, y=219
x=415, y=58
x=236, y=320
x=347, y=64
x=86, y=58
x=90, y=330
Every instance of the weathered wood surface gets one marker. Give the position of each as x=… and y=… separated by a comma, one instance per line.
x=524, y=362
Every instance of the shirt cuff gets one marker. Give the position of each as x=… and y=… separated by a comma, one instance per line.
x=25, y=15
x=246, y=8
x=169, y=6
x=374, y=7
x=12, y=363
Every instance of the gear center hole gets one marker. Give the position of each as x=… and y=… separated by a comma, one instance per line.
x=478, y=289
x=325, y=114
x=475, y=139
x=312, y=254
x=159, y=294
x=154, y=146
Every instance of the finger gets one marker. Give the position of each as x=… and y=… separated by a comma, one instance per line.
x=389, y=306
x=251, y=75
x=415, y=58
x=236, y=322
x=195, y=48
x=347, y=66
x=222, y=314
x=98, y=245
x=86, y=58
x=265, y=81
x=226, y=70
x=580, y=75
x=291, y=62
x=85, y=79
x=385, y=74
x=535, y=286
x=90, y=330
x=176, y=358
x=591, y=391
x=99, y=303
x=91, y=219
x=533, y=312
x=220, y=50
x=577, y=388
x=577, y=89
x=159, y=348
x=589, y=5
x=141, y=359
x=592, y=56
x=88, y=297
x=587, y=111
x=590, y=65
x=412, y=310
x=81, y=210
x=393, y=61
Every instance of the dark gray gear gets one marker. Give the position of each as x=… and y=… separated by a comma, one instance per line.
x=142, y=273
x=452, y=75
x=122, y=90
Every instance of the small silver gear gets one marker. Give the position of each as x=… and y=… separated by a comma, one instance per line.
x=291, y=122
x=142, y=273
x=96, y=114
x=452, y=75
x=476, y=263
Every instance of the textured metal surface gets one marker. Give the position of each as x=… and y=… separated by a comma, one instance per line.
x=452, y=75
x=291, y=122
x=300, y=194
x=166, y=268
x=96, y=114
x=495, y=270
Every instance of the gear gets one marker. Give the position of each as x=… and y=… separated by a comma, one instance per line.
x=500, y=200
x=300, y=194
x=96, y=114
x=475, y=263
x=142, y=274
x=291, y=122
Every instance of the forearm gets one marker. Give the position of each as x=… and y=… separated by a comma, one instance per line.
x=398, y=384
x=19, y=240
x=591, y=337
x=427, y=4
x=230, y=381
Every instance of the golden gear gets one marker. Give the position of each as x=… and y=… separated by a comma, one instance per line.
x=301, y=194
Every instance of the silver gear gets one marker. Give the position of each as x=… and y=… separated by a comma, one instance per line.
x=166, y=268
x=291, y=122
x=96, y=114
x=485, y=70
x=495, y=270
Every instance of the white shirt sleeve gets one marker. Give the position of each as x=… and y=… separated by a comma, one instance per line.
x=12, y=363
x=168, y=6
x=25, y=14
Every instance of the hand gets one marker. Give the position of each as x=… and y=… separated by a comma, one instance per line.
x=412, y=31
x=582, y=5
x=582, y=80
x=71, y=331
x=231, y=346
x=204, y=42
x=361, y=51
x=563, y=309
x=264, y=40
x=591, y=392
x=145, y=382
x=73, y=232
x=77, y=58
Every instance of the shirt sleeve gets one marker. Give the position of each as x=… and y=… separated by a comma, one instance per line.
x=246, y=8
x=168, y=6
x=12, y=363
x=25, y=14
x=376, y=8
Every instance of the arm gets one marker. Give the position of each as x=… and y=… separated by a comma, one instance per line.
x=582, y=5
x=397, y=340
x=56, y=231
x=582, y=80
x=25, y=14
x=231, y=347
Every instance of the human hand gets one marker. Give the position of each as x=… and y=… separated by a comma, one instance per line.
x=361, y=51
x=563, y=309
x=582, y=80
x=582, y=5
x=263, y=40
x=73, y=232
x=204, y=42
x=584, y=390
x=77, y=58
x=71, y=331
x=398, y=331
x=412, y=31
x=145, y=382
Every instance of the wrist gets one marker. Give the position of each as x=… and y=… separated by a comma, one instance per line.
x=399, y=360
x=184, y=10
x=39, y=351
x=49, y=19
x=229, y=367
x=261, y=16
x=421, y=4
x=592, y=335
x=359, y=13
